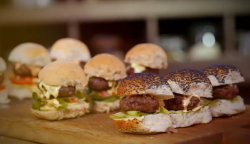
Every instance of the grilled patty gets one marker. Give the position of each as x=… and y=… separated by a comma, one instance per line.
x=225, y=92
x=98, y=84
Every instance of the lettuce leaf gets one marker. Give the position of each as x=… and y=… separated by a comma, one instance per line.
x=37, y=103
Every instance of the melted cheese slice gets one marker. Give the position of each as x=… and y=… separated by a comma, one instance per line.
x=186, y=101
x=49, y=90
x=138, y=68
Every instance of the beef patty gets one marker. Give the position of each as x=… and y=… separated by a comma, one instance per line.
x=176, y=103
x=22, y=70
x=225, y=91
x=142, y=103
x=98, y=84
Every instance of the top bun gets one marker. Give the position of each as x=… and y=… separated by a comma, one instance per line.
x=189, y=82
x=70, y=49
x=223, y=74
x=145, y=83
x=147, y=54
x=30, y=53
x=63, y=73
x=2, y=65
x=106, y=66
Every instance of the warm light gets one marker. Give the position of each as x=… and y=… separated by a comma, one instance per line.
x=208, y=39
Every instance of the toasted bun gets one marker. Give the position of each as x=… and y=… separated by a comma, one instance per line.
x=187, y=119
x=4, y=97
x=72, y=111
x=2, y=65
x=223, y=74
x=189, y=82
x=225, y=107
x=70, y=49
x=106, y=66
x=30, y=53
x=145, y=83
x=147, y=54
x=106, y=106
x=149, y=124
x=62, y=72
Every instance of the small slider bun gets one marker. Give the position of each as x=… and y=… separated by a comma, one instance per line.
x=148, y=124
x=72, y=111
x=189, y=82
x=223, y=74
x=70, y=49
x=227, y=107
x=63, y=73
x=147, y=54
x=145, y=83
x=30, y=53
x=2, y=65
x=105, y=66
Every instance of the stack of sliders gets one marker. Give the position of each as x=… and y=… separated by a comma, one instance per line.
x=61, y=84
x=3, y=92
x=141, y=111
x=188, y=87
x=104, y=71
x=70, y=49
x=226, y=99
x=145, y=57
x=28, y=59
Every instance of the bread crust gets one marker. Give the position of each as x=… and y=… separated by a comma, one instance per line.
x=30, y=53
x=223, y=74
x=189, y=82
x=149, y=124
x=106, y=66
x=106, y=107
x=147, y=54
x=63, y=73
x=72, y=111
x=145, y=83
x=70, y=49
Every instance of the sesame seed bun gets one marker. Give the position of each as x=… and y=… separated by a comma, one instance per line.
x=70, y=49
x=2, y=65
x=189, y=82
x=149, y=124
x=223, y=74
x=105, y=66
x=30, y=53
x=145, y=83
x=63, y=73
x=147, y=54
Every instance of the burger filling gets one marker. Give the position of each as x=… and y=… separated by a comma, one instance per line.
x=229, y=92
x=56, y=97
x=25, y=74
x=138, y=105
x=136, y=68
x=102, y=90
x=183, y=103
x=1, y=77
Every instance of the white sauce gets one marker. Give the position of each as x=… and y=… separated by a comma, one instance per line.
x=138, y=68
x=186, y=101
x=50, y=90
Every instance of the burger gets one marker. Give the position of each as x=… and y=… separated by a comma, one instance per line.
x=188, y=87
x=226, y=99
x=104, y=71
x=61, y=84
x=141, y=110
x=70, y=49
x=3, y=92
x=146, y=57
x=28, y=59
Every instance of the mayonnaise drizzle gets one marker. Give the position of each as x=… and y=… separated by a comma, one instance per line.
x=49, y=90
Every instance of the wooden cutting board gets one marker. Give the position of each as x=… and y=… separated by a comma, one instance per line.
x=18, y=122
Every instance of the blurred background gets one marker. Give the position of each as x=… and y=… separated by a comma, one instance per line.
x=194, y=33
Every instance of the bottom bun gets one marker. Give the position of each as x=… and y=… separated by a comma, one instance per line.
x=227, y=107
x=149, y=124
x=4, y=97
x=72, y=111
x=187, y=119
x=21, y=92
x=106, y=106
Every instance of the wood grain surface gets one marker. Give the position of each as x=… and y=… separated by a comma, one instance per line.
x=16, y=121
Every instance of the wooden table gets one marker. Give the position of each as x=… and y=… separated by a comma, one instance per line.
x=18, y=122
